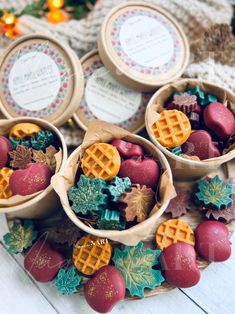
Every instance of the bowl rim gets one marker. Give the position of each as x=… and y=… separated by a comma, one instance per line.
x=202, y=163
x=138, y=227
x=49, y=189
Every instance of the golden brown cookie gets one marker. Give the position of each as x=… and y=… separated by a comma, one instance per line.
x=22, y=130
x=5, y=191
x=173, y=231
x=102, y=161
x=91, y=253
x=172, y=128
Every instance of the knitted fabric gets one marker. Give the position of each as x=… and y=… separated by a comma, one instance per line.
x=195, y=17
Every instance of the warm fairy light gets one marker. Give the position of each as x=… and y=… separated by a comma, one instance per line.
x=57, y=16
x=55, y=4
x=8, y=19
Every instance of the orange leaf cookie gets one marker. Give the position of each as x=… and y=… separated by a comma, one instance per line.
x=101, y=161
x=91, y=253
x=172, y=128
x=5, y=191
x=22, y=130
x=174, y=231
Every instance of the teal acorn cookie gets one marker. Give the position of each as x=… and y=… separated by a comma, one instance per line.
x=176, y=150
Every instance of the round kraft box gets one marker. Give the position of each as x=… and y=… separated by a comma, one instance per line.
x=143, y=46
x=40, y=77
x=107, y=99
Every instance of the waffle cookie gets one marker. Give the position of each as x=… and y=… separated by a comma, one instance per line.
x=22, y=130
x=172, y=128
x=174, y=231
x=5, y=191
x=91, y=253
x=102, y=161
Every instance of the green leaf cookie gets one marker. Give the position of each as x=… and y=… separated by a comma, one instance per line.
x=89, y=195
x=67, y=281
x=110, y=220
x=135, y=266
x=118, y=186
x=176, y=150
x=215, y=193
x=20, y=237
x=42, y=140
x=16, y=142
x=202, y=98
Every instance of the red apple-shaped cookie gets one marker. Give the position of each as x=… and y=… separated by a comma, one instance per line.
x=141, y=171
x=43, y=262
x=219, y=119
x=200, y=144
x=127, y=149
x=5, y=148
x=32, y=179
x=178, y=261
x=105, y=289
x=212, y=241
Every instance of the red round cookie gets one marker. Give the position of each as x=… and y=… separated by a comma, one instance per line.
x=178, y=261
x=43, y=262
x=34, y=178
x=127, y=149
x=200, y=144
x=212, y=241
x=141, y=171
x=219, y=119
x=105, y=289
x=5, y=148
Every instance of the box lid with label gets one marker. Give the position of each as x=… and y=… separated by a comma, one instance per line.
x=143, y=46
x=107, y=99
x=40, y=77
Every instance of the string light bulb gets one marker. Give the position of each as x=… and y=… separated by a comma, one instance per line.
x=55, y=4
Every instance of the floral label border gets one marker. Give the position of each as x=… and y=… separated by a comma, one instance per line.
x=89, y=115
x=115, y=40
x=58, y=59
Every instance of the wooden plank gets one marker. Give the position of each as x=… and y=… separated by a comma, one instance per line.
x=18, y=293
x=214, y=293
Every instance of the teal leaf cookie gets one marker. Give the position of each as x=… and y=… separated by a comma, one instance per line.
x=110, y=220
x=118, y=186
x=42, y=140
x=202, y=98
x=176, y=150
x=214, y=193
x=89, y=196
x=67, y=281
x=16, y=142
x=20, y=237
x=135, y=266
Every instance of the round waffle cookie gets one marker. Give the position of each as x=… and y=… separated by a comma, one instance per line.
x=5, y=191
x=173, y=231
x=91, y=253
x=101, y=161
x=22, y=130
x=172, y=128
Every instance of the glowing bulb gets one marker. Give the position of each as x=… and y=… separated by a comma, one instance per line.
x=55, y=4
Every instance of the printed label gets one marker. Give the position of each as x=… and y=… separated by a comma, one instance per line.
x=34, y=81
x=146, y=41
x=108, y=99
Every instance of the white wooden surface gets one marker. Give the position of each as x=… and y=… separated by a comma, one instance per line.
x=20, y=294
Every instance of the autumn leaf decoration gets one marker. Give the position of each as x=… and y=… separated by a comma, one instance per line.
x=139, y=201
x=136, y=267
x=47, y=158
x=21, y=157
